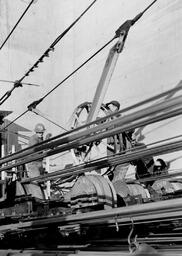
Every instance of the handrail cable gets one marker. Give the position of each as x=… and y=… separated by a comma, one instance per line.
x=35, y=103
x=16, y=24
x=45, y=54
x=123, y=28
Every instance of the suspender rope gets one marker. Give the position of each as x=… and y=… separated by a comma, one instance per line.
x=38, y=112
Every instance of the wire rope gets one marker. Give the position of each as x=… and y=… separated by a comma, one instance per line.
x=48, y=119
x=45, y=54
x=23, y=14
x=124, y=27
x=35, y=103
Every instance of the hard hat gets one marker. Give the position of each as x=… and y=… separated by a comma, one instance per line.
x=39, y=128
x=114, y=103
x=160, y=162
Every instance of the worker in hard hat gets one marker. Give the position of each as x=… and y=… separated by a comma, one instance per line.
x=35, y=168
x=113, y=106
x=112, y=142
x=38, y=136
x=115, y=144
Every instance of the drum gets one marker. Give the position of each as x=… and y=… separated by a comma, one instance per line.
x=131, y=193
x=163, y=186
x=177, y=186
x=92, y=190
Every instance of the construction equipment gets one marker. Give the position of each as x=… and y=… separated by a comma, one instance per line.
x=92, y=213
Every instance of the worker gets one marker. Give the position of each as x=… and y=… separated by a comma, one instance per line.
x=112, y=142
x=113, y=106
x=144, y=165
x=116, y=144
x=38, y=136
x=162, y=185
x=35, y=168
x=160, y=167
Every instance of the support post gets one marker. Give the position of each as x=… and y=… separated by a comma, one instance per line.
x=3, y=173
x=48, y=183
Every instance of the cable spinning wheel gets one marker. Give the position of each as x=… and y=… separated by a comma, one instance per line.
x=94, y=149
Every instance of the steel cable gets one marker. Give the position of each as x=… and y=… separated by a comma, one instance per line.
x=35, y=103
x=124, y=27
x=85, y=62
x=45, y=54
x=37, y=112
x=64, y=145
x=16, y=24
x=72, y=135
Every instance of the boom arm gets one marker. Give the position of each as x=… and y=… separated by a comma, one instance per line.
x=105, y=78
x=110, y=64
